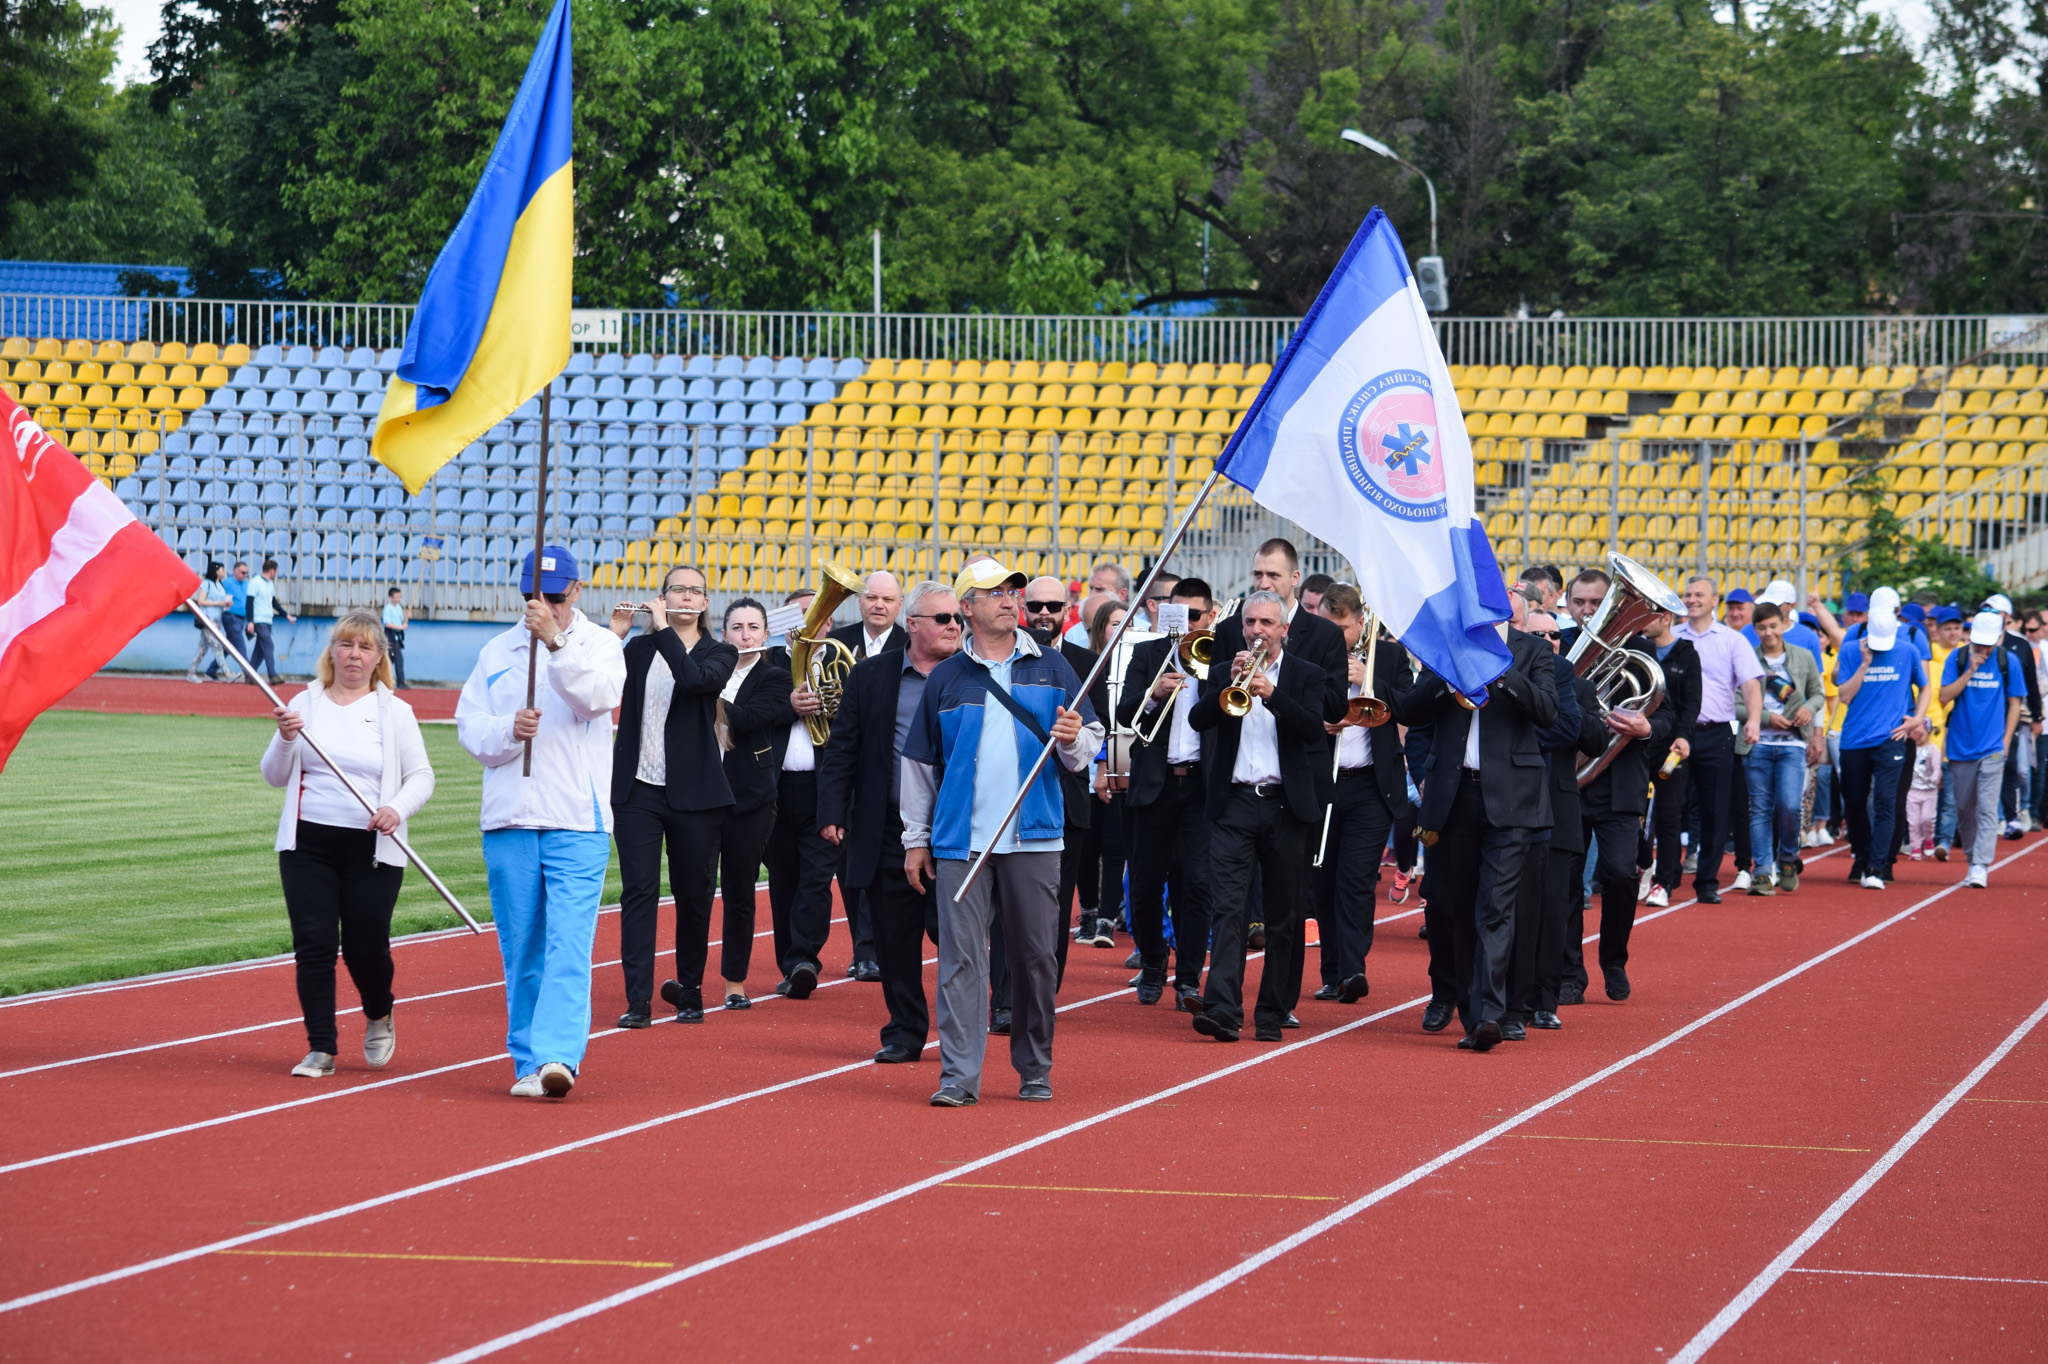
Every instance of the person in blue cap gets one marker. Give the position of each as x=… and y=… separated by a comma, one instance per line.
x=547, y=826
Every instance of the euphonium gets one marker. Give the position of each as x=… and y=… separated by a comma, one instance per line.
x=1366, y=709
x=1622, y=678
x=818, y=661
x=1237, y=697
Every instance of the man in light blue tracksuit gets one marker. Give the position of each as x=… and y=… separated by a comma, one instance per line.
x=547, y=834
x=964, y=760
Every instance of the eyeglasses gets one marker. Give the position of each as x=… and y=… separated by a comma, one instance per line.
x=940, y=617
x=1542, y=634
x=1003, y=593
x=1045, y=607
x=686, y=589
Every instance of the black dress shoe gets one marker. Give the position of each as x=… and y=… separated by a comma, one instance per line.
x=1149, y=991
x=952, y=1096
x=1481, y=1038
x=1210, y=1026
x=1327, y=992
x=693, y=1014
x=637, y=1015
x=1511, y=1030
x=689, y=1008
x=1255, y=937
x=1353, y=990
x=893, y=1055
x=1617, y=983
x=1187, y=1001
x=1265, y=1032
x=1290, y=1021
x=1133, y=961
x=1546, y=1019
x=1436, y=1017
x=999, y=1023
x=782, y=986
x=1571, y=994
x=802, y=980
x=734, y=1003
x=868, y=971
x=1709, y=897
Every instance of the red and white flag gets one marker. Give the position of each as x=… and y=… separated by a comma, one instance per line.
x=79, y=576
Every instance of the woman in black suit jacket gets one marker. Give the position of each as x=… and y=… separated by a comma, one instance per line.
x=670, y=788
x=754, y=704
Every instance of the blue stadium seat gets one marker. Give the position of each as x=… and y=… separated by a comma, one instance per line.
x=582, y=386
x=675, y=410
x=615, y=409
x=645, y=410
x=791, y=414
x=789, y=367
x=299, y=356
x=610, y=385
x=639, y=363
x=362, y=357
x=330, y=356
x=821, y=391
x=580, y=363
x=670, y=388
x=267, y=355
x=761, y=412
x=700, y=367
x=819, y=367
x=759, y=367
x=850, y=368
x=640, y=387
x=760, y=391
x=701, y=388
x=729, y=366
x=583, y=409
x=731, y=390
x=610, y=362
x=668, y=365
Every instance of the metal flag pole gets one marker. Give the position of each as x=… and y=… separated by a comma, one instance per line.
x=1087, y=683
x=540, y=540
x=207, y=623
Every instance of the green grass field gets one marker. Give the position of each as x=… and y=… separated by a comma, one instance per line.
x=141, y=843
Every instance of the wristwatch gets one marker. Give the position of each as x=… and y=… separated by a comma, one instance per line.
x=555, y=644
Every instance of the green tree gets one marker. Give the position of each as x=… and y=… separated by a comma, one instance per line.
x=140, y=207
x=54, y=58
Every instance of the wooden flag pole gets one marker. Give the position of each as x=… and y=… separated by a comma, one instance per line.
x=540, y=541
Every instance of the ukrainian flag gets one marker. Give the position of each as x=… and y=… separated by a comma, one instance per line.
x=492, y=328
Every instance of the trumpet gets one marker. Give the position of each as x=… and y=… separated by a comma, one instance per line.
x=1236, y=699
x=1189, y=655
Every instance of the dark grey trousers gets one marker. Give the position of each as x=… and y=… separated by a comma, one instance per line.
x=1023, y=888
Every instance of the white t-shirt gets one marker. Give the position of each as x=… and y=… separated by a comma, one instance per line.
x=354, y=738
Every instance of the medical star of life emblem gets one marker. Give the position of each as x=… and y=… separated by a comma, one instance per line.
x=1388, y=440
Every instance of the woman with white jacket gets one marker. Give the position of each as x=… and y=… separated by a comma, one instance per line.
x=341, y=872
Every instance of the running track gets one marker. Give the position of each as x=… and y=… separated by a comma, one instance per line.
x=1813, y=1133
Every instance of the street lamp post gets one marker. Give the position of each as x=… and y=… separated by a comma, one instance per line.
x=1429, y=270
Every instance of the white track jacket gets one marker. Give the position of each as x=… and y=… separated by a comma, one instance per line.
x=576, y=692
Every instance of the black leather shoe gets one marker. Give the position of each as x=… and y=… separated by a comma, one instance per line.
x=1290, y=1021
x=1571, y=994
x=782, y=986
x=693, y=1014
x=999, y=1023
x=893, y=1055
x=689, y=1009
x=1546, y=1019
x=1265, y=1033
x=1327, y=992
x=802, y=980
x=1133, y=962
x=1482, y=1038
x=867, y=971
x=1187, y=1001
x=1255, y=937
x=1511, y=1030
x=737, y=1002
x=952, y=1096
x=1214, y=1027
x=1436, y=1017
x=637, y=1015
x=1708, y=897
x=1149, y=991
x=1353, y=990
x=1617, y=983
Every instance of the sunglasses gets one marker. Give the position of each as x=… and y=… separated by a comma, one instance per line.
x=941, y=617
x=1543, y=634
x=1045, y=607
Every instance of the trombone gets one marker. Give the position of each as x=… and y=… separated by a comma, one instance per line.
x=1187, y=654
x=1364, y=711
x=1236, y=699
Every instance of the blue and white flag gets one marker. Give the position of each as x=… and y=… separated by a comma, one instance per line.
x=1357, y=437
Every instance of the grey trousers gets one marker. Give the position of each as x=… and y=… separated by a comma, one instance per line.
x=1976, y=787
x=1023, y=888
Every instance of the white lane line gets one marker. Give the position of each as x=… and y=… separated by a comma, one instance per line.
x=1217, y=1283
x=1725, y=1319
x=1894, y=1274
x=498, y=984
x=1265, y=1354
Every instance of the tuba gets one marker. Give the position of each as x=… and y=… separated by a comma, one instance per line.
x=818, y=661
x=1622, y=678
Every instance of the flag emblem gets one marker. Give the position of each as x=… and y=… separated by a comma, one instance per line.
x=1388, y=443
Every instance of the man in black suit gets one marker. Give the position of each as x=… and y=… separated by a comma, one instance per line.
x=1045, y=603
x=800, y=862
x=1484, y=795
x=859, y=785
x=1681, y=665
x=1264, y=768
x=1167, y=801
x=874, y=634
x=1371, y=796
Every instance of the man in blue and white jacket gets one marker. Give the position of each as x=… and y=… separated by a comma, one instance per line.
x=964, y=760
x=547, y=833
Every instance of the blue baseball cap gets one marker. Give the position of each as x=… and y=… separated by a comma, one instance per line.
x=557, y=570
x=1943, y=615
x=1856, y=601
x=1809, y=620
x=1914, y=612
x=1740, y=594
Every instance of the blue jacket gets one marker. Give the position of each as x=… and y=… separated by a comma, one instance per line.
x=940, y=751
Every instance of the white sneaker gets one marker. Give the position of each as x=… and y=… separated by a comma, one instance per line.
x=318, y=1065
x=1873, y=883
x=1980, y=877
x=194, y=677
x=528, y=1087
x=1643, y=886
x=1658, y=897
x=1823, y=839
x=380, y=1042
x=1741, y=881
x=556, y=1079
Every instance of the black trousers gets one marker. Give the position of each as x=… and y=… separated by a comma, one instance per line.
x=904, y=919
x=1899, y=804
x=1870, y=790
x=859, y=914
x=339, y=900
x=1618, y=833
x=1667, y=817
x=1714, y=770
x=640, y=825
x=1346, y=884
x=1170, y=856
x=1111, y=824
x=1559, y=955
x=800, y=869
x=1525, y=963
x=1253, y=830
x=1073, y=857
x=1475, y=872
x=742, y=838
x=1738, y=814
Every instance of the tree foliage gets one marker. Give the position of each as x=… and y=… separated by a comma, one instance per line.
x=54, y=60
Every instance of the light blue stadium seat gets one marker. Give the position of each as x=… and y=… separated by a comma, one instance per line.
x=759, y=367
x=760, y=390
x=668, y=365
x=821, y=391
x=610, y=362
x=616, y=409
x=674, y=411
x=792, y=414
x=299, y=356
x=732, y=412
x=645, y=410
x=362, y=357
x=819, y=367
x=640, y=386
x=789, y=367
x=731, y=390
x=850, y=367
x=267, y=355
x=729, y=365
x=579, y=363
x=584, y=409
x=527, y=411
x=701, y=388
x=367, y=381
x=330, y=356
x=582, y=386
x=731, y=438
x=639, y=363
x=610, y=385
x=700, y=367
x=617, y=457
x=761, y=412
x=475, y=521
x=670, y=388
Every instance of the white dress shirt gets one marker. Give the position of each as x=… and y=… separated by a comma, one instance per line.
x=1354, y=744
x=874, y=645
x=1183, y=745
x=1472, y=743
x=802, y=754
x=1258, y=742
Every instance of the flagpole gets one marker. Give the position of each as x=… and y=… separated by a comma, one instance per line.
x=207, y=623
x=540, y=540
x=1101, y=661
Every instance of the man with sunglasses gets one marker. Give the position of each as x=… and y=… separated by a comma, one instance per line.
x=860, y=794
x=1045, y=602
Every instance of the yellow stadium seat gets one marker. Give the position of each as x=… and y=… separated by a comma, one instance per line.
x=231, y=355
x=110, y=350
x=130, y=395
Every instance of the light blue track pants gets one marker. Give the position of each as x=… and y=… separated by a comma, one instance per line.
x=545, y=888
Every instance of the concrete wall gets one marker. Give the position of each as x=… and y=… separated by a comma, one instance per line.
x=437, y=653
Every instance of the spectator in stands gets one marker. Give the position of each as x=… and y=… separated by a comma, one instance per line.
x=213, y=600
x=263, y=609
x=546, y=831
x=755, y=707
x=395, y=619
x=340, y=868
x=876, y=632
x=1312, y=589
x=1984, y=690
x=1737, y=610
x=234, y=622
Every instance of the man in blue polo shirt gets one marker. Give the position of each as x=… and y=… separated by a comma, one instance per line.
x=1878, y=674
x=1983, y=689
x=234, y=622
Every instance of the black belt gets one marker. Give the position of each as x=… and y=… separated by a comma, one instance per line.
x=1261, y=789
x=1184, y=769
x=1344, y=773
x=1470, y=773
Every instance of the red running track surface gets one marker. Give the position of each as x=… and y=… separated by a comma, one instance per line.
x=752, y=1189
x=130, y=695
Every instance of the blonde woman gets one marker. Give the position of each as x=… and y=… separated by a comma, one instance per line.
x=341, y=871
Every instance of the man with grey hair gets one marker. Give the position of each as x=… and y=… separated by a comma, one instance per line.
x=1108, y=579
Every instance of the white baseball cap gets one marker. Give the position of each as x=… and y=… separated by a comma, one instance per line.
x=1986, y=627
x=1882, y=627
x=1779, y=593
x=1998, y=601
x=1885, y=599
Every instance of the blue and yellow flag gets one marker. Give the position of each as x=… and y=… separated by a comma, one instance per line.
x=492, y=328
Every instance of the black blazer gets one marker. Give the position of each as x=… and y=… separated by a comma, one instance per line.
x=1303, y=744
x=1148, y=761
x=854, y=770
x=1520, y=702
x=1311, y=639
x=1080, y=786
x=1625, y=785
x=1580, y=734
x=696, y=772
x=855, y=637
x=1389, y=764
x=757, y=722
